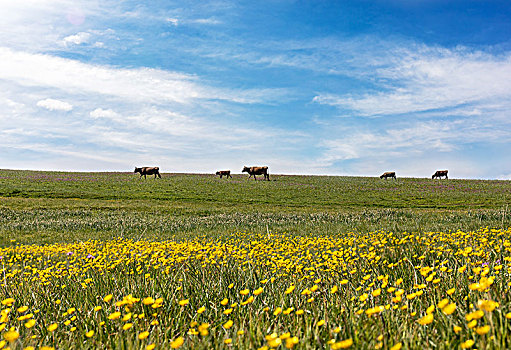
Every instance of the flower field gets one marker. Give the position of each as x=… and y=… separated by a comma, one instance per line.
x=246, y=290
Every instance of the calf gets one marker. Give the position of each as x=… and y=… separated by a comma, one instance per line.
x=439, y=174
x=226, y=173
x=148, y=171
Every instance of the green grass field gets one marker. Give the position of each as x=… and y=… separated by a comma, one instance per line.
x=111, y=261
x=63, y=207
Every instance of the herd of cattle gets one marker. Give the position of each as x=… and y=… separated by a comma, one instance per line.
x=263, y=170
x=392, y=174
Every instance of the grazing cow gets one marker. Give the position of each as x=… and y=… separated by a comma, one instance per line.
x=257, y=170
x=440, y=173
x=389, y=174
x=226, y=173
x=148, y=171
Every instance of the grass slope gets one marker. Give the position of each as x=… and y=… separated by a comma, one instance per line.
x=37, y=206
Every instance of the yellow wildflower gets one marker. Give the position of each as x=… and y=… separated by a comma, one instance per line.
x=426, y=319
x=177, y=343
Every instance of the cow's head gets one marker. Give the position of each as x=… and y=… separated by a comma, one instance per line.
x=246, y=169
x=217, y=173
x=137, y=170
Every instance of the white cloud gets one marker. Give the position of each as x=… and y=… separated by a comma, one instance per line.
x=37, y=25
x=77, y=39
x=105, y=113
x=138, y=84
x=432, y=79
x=55, y=105
x=173, y=21
x=210, y=21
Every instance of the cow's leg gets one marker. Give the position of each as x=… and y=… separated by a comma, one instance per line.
x=255, y=179
x=230, y=176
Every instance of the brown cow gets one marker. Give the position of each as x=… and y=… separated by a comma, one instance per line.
x=440, y=173
x=226, y=173
x=389, y=174
x=257, y=170
x=148, y=171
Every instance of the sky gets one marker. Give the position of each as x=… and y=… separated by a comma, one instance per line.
x=304, y=87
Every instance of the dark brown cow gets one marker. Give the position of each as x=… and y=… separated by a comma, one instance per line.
x=226, y=173
x=148, y=171
x=257, y=170
x=391, y=174
x=439, y=174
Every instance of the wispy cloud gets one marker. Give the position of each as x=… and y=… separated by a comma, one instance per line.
x=140, y=84
x=173, y=21
x=431, y=79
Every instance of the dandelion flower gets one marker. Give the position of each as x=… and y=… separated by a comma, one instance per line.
x=467, y=344
x=177, y=343
x=114, y=315
x=143, y=335
x=11, y=336
x=22, y=309
x=89, y=334
x=426, y=319
x=30, y=323
x=443, y=303
x=290, y=289
x=487, y=305
x=273, y=343
x=483, y=330
x=148, y=301
x=342, y=344
x=449, y=309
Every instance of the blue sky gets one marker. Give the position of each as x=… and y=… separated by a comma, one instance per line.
x=305, y=87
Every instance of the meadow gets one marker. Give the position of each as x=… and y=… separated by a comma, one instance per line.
x=108, y=260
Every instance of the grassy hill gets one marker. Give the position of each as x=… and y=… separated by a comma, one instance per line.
x=62, y=206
